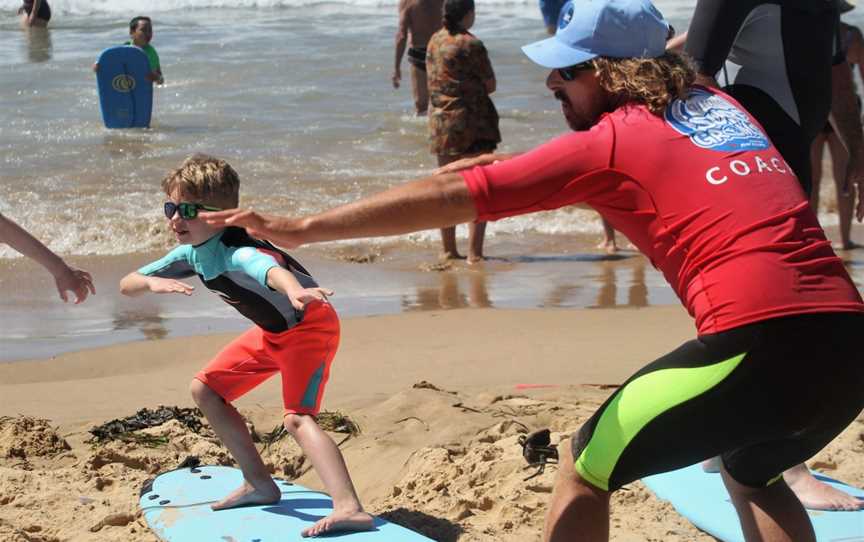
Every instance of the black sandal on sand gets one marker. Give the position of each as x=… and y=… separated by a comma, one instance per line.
x=538, y=451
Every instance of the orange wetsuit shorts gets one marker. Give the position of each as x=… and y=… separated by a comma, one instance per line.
x=302, y=355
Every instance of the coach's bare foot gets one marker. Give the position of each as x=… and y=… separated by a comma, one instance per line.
x=340, y=522
x=247, y=495
x=817, y=495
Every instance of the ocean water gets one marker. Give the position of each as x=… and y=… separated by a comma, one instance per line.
x=296, y=95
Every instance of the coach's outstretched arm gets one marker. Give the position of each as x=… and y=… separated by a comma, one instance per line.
x=434, y=202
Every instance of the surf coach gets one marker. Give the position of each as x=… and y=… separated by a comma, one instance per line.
x=692, y=180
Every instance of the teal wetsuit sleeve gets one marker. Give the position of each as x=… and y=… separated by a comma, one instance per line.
x=253, y=262
x=174, y=265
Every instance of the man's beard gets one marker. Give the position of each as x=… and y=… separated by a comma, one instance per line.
x=575, y=123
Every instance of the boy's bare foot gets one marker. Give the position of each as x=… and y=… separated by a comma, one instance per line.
x=341, y=521
x=472, y=259
x=247, y=495
x=817, y=495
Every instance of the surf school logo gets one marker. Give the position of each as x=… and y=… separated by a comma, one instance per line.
x=713, y=123
x=123, y=83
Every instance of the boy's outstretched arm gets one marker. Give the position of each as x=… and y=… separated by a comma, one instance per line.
x=67, y=279
x=135, y=284
x=282, y=280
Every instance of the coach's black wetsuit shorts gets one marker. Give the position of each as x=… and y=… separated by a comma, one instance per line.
x=764, y=397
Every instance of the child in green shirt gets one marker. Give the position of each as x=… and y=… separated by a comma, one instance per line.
x=141, y=32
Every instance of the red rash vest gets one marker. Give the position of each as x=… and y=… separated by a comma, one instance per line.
x=700, y=191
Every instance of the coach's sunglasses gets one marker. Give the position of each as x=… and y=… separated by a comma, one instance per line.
x=570, y=73
x=187, y=211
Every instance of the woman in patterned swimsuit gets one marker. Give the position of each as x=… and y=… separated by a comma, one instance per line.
x=463, y=121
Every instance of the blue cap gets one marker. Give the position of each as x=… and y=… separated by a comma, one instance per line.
x=611, y=28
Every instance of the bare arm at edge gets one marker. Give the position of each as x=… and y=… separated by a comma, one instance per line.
x=66, y=278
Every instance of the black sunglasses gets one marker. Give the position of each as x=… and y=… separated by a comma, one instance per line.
x=570, y=73
x=187, y=211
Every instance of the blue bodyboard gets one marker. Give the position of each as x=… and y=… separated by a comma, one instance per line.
x=125, y=93
x=701, y=497
x=176, y=506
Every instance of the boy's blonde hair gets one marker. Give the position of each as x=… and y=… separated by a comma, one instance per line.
x=206, y=179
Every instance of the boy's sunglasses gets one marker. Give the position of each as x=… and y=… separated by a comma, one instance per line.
x=187, y=211
x=570, y=73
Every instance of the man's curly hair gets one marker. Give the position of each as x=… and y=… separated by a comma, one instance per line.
x=653, y=82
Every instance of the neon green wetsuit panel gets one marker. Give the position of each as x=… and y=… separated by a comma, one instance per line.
x=636, y=405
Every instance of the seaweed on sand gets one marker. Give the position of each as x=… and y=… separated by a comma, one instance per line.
x=123, y=429
x=335, y=422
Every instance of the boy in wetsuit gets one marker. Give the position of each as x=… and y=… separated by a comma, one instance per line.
x=140, y=34
x=296, y=333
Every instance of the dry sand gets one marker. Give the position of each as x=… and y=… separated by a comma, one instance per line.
x=442, y=459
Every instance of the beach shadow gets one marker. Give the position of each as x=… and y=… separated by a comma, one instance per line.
x=293, y=509
x=435, y=528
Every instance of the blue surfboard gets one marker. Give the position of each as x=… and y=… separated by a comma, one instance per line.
x=125, y=93
x=701, y=497
x=176, y=506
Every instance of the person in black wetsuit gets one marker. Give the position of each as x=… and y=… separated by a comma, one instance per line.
x=784, y=59
x=35, y=13
x=786, y=65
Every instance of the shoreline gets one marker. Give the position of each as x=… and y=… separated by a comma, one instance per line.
x=535, y=271
x=551, y=271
